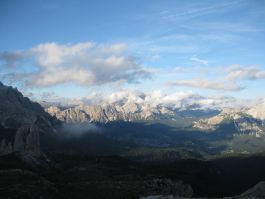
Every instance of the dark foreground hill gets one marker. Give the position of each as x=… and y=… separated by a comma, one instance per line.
x=98, y=177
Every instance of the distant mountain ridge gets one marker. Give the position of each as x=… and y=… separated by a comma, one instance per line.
x=191, y=122
x=134, y=105
x=244, y=123
x=246, y=120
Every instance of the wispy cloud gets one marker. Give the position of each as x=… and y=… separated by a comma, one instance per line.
x=237, y=72
x=228, y=80
x=207, y=84
x=11, y=59
x=198, y=60
x=195, y=10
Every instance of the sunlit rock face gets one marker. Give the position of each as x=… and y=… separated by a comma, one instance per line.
x=257, y=110
x=209, y=124
x=132, y=106
x=71, y=115
x=243, y=123
x=111, y=112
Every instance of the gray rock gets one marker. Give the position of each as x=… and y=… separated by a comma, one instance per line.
x=17, y=110
x=5, y=147
x=256, y=192
x=169, y=187
x=27, y=140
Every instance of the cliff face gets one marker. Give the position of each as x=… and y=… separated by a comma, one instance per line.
x=22, y=122
x=17, y=110
x=5, y=147
x=27, y=140
x=71, y=115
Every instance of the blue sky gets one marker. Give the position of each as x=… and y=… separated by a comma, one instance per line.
x=74, y=48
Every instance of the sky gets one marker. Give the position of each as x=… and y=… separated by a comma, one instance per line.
x=73, y=49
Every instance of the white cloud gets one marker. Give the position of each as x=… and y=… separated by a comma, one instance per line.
x=83, y=63
x=53, y=54
x=157, y=97
x=207, y=84
x=152, y=98
x=229, y=79
x=236, y=72
x=201, y=61
x=48, y=78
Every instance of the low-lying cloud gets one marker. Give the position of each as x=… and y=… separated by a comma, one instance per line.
x=157, y=97
x=78, y=130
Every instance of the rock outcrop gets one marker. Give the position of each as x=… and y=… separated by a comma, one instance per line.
x=256, y=192
x=27, y=140
x=26, y=144
x=168, y=186
x=244, y=124
x=17, y=110
x=22, y=122
x=5, y=147
x=71, y=115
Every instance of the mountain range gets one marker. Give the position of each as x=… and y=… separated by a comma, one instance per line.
x=127, y=144
x=247, y=119
x=191, y=121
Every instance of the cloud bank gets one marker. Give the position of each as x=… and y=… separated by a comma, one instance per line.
x=93, y=64
x=157, y=97
x=225, y=78
x=83, y=64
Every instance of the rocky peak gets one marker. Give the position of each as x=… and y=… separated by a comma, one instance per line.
x=128, y=111
x=16, y=108
x=243, y=123
x=22, y=123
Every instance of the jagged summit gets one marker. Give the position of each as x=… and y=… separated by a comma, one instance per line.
x=15, y=109
x=243, y=123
